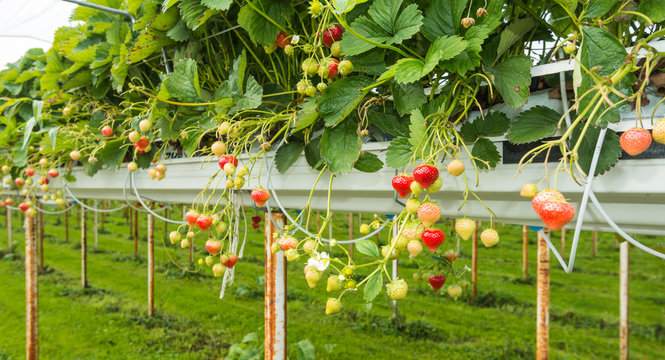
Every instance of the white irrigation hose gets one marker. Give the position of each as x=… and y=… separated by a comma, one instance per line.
x=146, y=207
x=71, y=205
x=298, y=227
x=92, y=208
x=124, y=193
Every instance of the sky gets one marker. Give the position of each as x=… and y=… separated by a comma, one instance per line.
x=26, y=24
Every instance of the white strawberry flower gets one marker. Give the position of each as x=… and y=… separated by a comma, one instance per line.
x=295, y=39
x=320, y=261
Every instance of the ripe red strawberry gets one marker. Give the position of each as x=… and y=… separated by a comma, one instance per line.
x=282, y=39
x=437, y=281
x=191, y=216
x=9, y=202
x=255, y=225
x=53, y=173
x=402, y=184
x=260, y=196
x=107, y=131
x=432, y=238
x=425, y=175
x=229, y=260
x=213, y=246
x=288, y=242
x=19, y=182
x=544, y=196
x=634, y=141
x=142, y=144
x=556, y=213
x=429, y=213
x=203, y=222
x=226, y=159
x=29, y=171
x=328, y=69
x=23, y=207
x=256, y=219
x=332, y=34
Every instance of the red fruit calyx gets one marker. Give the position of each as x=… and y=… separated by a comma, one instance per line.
x=437, y=281
x=402, y=184
x=432, y=238
x=223, y=160
x=425, y=175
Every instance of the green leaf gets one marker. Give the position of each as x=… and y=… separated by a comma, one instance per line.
x=306, y=115
x=443, y=17
x=469, y=132
x=470, y=58
x=313, y=154
x=179, y=32
x=183, y=82
x=370, y=62
x=305, y=350
x=485, y=149
x=388, y=123
x=495, y=123
x=261, y=30
x=340, y=145
x=533, y=124
x=53, y=136
x=407, y=96
x=513, y=33
x=221, y=5
x=512, y=78
x=443, y=48
x=368, y=247
x=598, y=8
x=609, y=153
x=112, y=154
x=341, y=98
x=352, y=45
x=654, y=9
x=373, y=286
x=408, y=70
x=368, y=162
x=418, y=137
x=399, y=153
x=287, y=154
x=193, y=13
x=147, y=43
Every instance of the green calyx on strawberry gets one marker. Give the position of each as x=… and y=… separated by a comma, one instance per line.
x=436, y=281
x=425, y=175
x=556, y=213
x=332, y=34
x=402, y=184
x=213, y=246
x=260, y=196
x=328, y=68
x=432, y=238
x=204, y=222
x=191, y=216
x=635, y=141
x=229, y=260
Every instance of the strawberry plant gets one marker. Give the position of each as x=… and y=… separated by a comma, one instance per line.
x=230, y=82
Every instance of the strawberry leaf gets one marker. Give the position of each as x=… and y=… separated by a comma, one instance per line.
x=341, y=98
x=399, y=153
x=340, y=146
x=533, y=124
x=288, y=154
x=512, y=78
x=183, y=82
x=407, y=96
x=261, y=30
x=373, y=286
x=221, y=5
x=484, y=149
x=368, y=247
x=418, y=138
x=368, y=162
x=609, y=153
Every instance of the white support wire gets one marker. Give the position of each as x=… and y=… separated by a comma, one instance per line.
x=90, y=207
x=146, y=207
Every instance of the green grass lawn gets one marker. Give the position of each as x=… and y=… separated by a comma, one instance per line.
x=109, y=321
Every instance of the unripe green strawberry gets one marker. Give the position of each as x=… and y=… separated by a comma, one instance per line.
x=348, y=270
x=134, y=136
x=350, y=284
x=313, y=277
x=345, y=67
x=221, y=227
x=397, y=289
x=489, y=237
x=184, y=243
x=364, y=229
x=210, y=260
x=436, y=186
x=429, y=213
x=336, y=49
x=238, y=182
x=242, y=170
x=417, y=277
x=416, y=189
x=288, y=50
x=291, y=254
x=75, y=155
x=334, y=283
x=321, y=86
x=308, y=246
x=394, y=254
x=310, y=91
x=310, y=66
x=174, y=236
x=200, y=262
x=454, y=291
x=401, y=242
x=302, y=86
x=529, y=190
x=218, y=148
x=658, y=131
x=218, y=269
x=333, y=306
x=456, y=167
x=229, y=169
x=132, y=166
x=274, y=248
x=412, y=205
x=414, y=247
x=465, y=228
x=569, y=48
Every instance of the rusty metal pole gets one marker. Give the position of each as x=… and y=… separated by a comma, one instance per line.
x=31, y=291
x=94, y=224
x=275, y=293
x=563, y=242
x=624, y=298
x=84, y=251
x=130, y=216
x=151, y=265
x=594, y=238
x=351, y=234
x=8, y=217
x=136, y=233
x=543, y=300
x=67, y=226
x=40, y=233
x=525, y=251
x=474, y=262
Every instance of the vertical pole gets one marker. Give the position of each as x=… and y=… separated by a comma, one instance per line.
x=151, y=264
x=67, y=226
x=94, y=224
x=395, y=274
x=103, y=215
x=624, y=298
x=275, y=293
x=84, y=251
x=543, y=300
x=191, y=244
x=594, y=239
x=474, y=262
x=8, y=216
x=525, y=251
x=130, y=216
x=40, y=232
x=136, y=233
x=351, y=234
x=166, y=224
x=31, y=291
x=318, y=220
x=563, y=242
